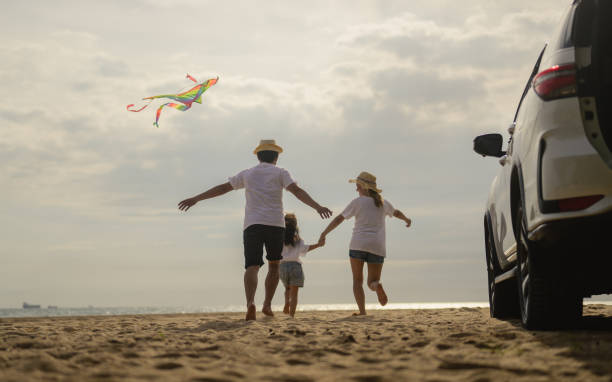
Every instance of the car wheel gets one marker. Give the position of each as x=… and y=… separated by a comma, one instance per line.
x=544, y=303
x=533, y=288
x=503, y=300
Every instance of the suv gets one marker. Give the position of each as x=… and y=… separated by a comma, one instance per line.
x=548, y=219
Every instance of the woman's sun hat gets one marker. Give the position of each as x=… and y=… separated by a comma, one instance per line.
x=268, y=145
x=367, y=181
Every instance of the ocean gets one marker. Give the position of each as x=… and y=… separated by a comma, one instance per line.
x=111, y=311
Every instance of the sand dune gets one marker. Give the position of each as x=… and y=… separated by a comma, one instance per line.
x=396, y=345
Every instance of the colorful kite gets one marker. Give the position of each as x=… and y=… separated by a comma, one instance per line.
x=185, y=98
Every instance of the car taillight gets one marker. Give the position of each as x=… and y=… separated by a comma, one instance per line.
x=576, y=204
x=556, y=82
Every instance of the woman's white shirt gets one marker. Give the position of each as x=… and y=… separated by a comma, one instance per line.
x=369, y=229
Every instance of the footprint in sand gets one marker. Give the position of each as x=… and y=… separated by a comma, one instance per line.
x=41, y=364
x=296, y=332
x=103, y=375
x=370, y=360
x=169, y=355
x=87, y=361
x=337, y=351
x=461, y=335
x=368, y=378
x=505, y=335
x=168, y=366
x=209, y=379
x=63, y=355
x=32, y=345
x=295, y=362
x=344, y=339
x=337, y=366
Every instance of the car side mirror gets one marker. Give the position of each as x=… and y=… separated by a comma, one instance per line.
x=489, y=145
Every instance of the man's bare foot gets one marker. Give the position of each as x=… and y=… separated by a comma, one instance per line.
x=267, y=310
x=251, y=313
x=359, y=314
x=382, y=296
x=286, y=309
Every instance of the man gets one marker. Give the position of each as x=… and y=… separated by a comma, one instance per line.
x=264, y=222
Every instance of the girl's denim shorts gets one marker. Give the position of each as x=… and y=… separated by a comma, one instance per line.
x=366, y=256
x=291, y=274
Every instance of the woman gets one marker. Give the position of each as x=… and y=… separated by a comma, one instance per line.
x=368, y=239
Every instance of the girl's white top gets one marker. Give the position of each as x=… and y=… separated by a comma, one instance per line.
x=293, y=253
x=369, y=230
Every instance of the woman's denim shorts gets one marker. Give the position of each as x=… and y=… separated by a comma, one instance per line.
x=291, y=274
x=366, y=256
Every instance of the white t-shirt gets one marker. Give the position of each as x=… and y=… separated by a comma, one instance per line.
x=293, y=253
x=263, y=186
x=369, y=230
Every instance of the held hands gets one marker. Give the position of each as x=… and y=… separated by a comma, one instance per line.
x=187, y=204
x=324, y=212
x=321, y=241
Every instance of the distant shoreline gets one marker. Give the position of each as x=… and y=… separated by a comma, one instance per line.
x=118, y=311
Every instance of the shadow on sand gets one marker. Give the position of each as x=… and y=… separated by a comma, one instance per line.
x=589, y=341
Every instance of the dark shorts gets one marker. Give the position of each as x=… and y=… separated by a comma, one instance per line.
x=366, y=256
x=257, y=236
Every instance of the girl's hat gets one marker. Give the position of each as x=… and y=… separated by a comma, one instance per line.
x=367, y=181
x=268, y=145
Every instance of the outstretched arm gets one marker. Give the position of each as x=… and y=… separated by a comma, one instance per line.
x=332, y=225
x=306, y=199
x=400, y=215
x=314, y=246
x=210, y=193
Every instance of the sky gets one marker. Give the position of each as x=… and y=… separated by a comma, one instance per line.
x=397, y=88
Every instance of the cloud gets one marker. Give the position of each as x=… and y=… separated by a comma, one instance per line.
x=475, y=43
x=395, y=88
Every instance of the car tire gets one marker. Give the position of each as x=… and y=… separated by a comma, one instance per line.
x=534, y=289
x=503, y=299
x=544, y=303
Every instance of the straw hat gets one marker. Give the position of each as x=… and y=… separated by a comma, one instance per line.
x=268, y=145
x=367, y=181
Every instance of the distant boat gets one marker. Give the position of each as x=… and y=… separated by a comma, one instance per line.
x=30, y=306
x=52, y=307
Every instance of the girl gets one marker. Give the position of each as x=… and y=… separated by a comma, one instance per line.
x=368, y=240
x=291, y=273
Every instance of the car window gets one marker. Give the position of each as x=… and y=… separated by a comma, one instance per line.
x=535, y=70
x=563, y=35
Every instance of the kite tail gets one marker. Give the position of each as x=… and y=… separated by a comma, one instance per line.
x=136, y=111
x=177, y=106
x=191, y=78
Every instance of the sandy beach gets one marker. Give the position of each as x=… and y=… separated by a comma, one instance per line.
x=462, y=344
